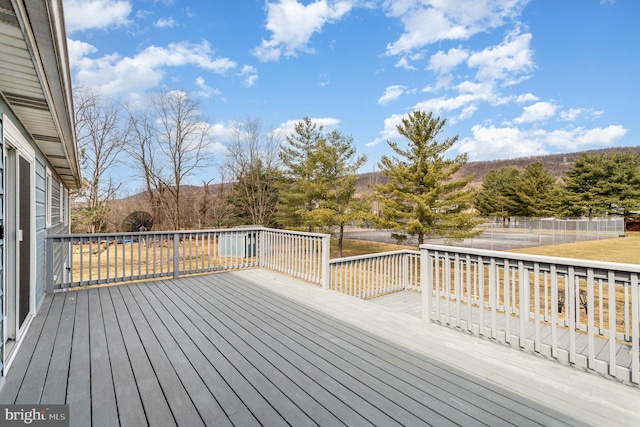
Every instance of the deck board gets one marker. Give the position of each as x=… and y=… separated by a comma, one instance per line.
x=130, y=409
x=103, y=395
x=11, y=385
x=33, y=383
x=152, y=395
x=203, y=336
x=221, y=391
x=255, y=374
x=55, y=386
x=281, y=373
x=310, y=363
x=181, y=405
x=398, y=399
x=79, y=381
x=226, y=349
x=194, y=387
x=483, y=403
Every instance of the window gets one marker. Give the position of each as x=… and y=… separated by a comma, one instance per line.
x=48, y=198
x=55, y=201
x=62, y=202
x=65, y=205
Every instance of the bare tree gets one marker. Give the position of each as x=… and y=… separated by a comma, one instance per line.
x=253, y=162
x=140, y=147
x=168, y=142
x=182, y=136
x=101, y=135
x=219, y=213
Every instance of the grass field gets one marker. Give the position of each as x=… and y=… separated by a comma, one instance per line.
x=621, y=249
x=351, y=247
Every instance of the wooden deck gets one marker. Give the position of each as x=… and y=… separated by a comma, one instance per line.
x=258, y=348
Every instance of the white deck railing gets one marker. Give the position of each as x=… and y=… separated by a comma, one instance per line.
x=298, y=254
x=585, y=313
x=372, y=275
x=581, y=312
x=92, y=259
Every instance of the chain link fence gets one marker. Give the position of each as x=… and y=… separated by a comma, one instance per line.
x=513, y=233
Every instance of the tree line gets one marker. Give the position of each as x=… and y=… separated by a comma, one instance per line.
x=595, y=185
x=307, y=179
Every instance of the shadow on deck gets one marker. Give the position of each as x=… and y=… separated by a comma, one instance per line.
x=256, y=347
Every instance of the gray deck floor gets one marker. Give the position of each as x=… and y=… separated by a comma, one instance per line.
x=258, y=348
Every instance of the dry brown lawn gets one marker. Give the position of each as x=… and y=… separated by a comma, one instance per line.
x=621, y=249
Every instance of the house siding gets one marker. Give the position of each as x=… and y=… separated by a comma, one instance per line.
x=42, y=231
x=1, y=243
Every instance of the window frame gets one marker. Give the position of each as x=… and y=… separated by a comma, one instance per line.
x=48, y=198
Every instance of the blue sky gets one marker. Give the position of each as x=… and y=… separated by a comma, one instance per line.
x=514, y=78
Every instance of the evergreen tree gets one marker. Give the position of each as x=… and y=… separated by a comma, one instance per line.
x=536, y=193
x=337, y=174
x=622, y=188
x=495, y=195
x=299, y=192
x=604, y=184
x=422, y=196
x=319, y=180
x=582, y=183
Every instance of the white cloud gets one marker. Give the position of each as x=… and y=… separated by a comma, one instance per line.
x=580, y=138
x=404, y=63
x=469, y=94
x=572, y=114
x=491, y=143
x=442, y=62
x=292, y=24
x=527, y=97
x=537, y=112
x=427, y=22
x=390, y=131
x=505, y=61
x=115, y=75
x=221, y=132
x=80, y=15
x=206, y=91
x=249, y=74
x=391, y=93
x=78, y=50
x=328, y=123
x=466, y=113
x=165, y=23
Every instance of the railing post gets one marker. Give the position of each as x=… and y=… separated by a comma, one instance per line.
x=176, y=255
x=405, y=271
x=635, y=326
x=49, y=261
x=426, y=274
x=325, y=280
x=261, y=242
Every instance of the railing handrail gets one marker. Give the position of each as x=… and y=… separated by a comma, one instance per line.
x=373, y=256
x=155, y=233
x=569, y=262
